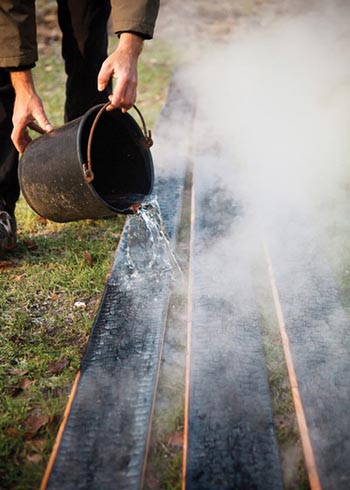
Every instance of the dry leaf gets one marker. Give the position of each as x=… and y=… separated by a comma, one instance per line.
x=35, y=422
x=13, y=391
x=39, y=444
x=18, y=372
x=12, y=432
x=24, y=383
x=30, y=245
x=88, y=259
x=21, y=385
x=42, y=220
x=52, y=330
x=176, y=439
x=16, y=339
x=33, y=458
x=58, y=367
x=16, y=278
x=5, y=264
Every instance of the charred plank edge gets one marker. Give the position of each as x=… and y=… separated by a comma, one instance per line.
x=188, y=346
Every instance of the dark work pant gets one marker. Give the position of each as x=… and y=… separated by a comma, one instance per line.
x=84, y=48
x=9, y=187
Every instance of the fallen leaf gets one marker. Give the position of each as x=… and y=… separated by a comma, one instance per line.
x=176, y=439
x=88, y=259
x=30, y=245
x=13, y=391
x=39, y=444
x=24, y=383
x=18, y=372
x=5, y=264
x=12, y=432
x=21, y=385
x=16, y=278
x=54, y=423
x=58, y=367
x=42, y=220
x=16, y=339
x=33, y=458
x=52, y=330
x=35, y=422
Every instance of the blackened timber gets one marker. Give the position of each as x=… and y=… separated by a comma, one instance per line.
x=231, y=443
x=104, y=442
x=318, y=331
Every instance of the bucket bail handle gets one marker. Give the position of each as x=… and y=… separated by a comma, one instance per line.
x=87, y=168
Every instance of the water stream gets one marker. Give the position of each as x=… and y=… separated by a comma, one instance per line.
x=148, y=245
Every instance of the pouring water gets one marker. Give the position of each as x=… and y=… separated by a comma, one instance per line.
x=149, y=247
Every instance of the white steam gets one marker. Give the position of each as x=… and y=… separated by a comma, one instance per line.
x=278, y=103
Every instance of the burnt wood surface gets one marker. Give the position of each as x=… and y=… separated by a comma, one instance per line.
x=231, y=438
x=104, y=442
x=318, y=329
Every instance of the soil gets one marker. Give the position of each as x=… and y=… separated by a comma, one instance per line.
x=197, y=20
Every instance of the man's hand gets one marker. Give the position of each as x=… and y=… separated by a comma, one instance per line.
x=122, y=66
x=28, y=108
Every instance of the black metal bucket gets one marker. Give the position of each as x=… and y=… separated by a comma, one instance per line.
x=96, y=166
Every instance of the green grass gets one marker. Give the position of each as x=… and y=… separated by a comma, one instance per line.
x=44, y=331
x=41, y=326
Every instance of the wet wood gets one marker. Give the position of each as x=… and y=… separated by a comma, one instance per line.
x=104, y=442
x=230, y=438
x=317, y=329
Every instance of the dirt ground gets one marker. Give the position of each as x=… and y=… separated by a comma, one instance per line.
x=199, y=20
x=196, y=20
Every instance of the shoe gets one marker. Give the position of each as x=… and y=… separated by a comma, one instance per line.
x=8, y=229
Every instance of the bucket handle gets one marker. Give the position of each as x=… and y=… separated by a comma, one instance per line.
x=87, y=168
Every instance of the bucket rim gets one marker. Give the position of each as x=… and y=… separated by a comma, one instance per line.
x=95, y=109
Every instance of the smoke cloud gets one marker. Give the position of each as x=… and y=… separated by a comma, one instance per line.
x=273, y=117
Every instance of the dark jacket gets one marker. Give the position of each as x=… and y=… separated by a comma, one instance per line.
x=18, y=45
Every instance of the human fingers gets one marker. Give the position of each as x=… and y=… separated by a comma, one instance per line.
x=124, y=94
x=35, y=127
x=41, y=121
x=129, y=98
x=117, y=96
x=104, y=75
x=20, y=138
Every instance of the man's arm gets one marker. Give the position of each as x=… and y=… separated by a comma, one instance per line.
x=28, y=108
x=18, y=45
x=137, y=16
x=18, y=54
x=133, y=21
x=122, y=66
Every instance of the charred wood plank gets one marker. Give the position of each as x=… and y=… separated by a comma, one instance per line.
x=231, y=441
x=318, y=332
x=104, y=442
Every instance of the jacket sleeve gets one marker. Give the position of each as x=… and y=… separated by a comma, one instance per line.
x=137, y=16
x=18, y=46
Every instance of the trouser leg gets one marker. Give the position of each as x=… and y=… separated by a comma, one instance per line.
x=9, y=186
x=84, y=48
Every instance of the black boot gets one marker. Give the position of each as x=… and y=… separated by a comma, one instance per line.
x=8, y=228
